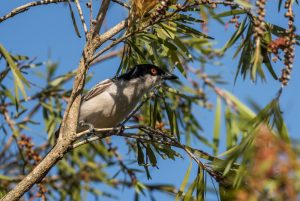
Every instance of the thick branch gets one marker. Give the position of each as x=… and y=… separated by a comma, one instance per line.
x=99, y=40
x=26, y=7
x=67, y=132
x=101, y=15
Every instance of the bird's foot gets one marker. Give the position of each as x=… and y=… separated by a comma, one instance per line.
x=91, y=127
x=121, y=129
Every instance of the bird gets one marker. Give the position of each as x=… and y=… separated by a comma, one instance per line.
x=111, y=101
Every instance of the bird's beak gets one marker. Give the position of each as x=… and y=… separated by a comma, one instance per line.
x=169, y=76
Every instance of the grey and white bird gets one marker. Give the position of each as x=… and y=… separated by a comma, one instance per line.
x=108, y=103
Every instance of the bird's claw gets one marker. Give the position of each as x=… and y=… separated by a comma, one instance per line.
x=91, y=127
x=121, y=129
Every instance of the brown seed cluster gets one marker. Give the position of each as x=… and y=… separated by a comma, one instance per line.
x=275, y=45
x=42, y=191
x=32, y=156
x=289, y=50
x=259, y=24
x=273, y=162
x=160, y=10
x=27, y=145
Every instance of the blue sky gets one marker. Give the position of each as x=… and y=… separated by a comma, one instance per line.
x=47, y=32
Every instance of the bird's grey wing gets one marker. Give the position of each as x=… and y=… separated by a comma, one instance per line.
x=98, y=89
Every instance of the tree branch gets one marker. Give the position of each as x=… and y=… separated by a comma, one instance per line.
x=99, y=40
x=122, y=4
x=26, y=7
x=81, y=18
x=101, y=15
x=67, y=132
x=155, y=136
x=109, y=55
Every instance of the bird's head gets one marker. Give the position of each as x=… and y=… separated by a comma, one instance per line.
x=150, y=74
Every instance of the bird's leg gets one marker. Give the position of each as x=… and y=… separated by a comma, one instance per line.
x=91, y=127
x=121, y=129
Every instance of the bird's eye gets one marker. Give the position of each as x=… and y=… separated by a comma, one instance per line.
x=153, y=71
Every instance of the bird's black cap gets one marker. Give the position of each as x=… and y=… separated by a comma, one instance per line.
x=144, y=69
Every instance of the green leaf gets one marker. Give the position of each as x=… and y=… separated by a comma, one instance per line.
x=189, y=193
x=230, y=13
x=182, y=46
x=19, y=79
x=139, y=188
x=188, y=18
x=171, y=116
x=141, y=159
x=201, y=185
x=184, y=182
x=217, y=126
x=242, y=108
x=58, y=81
x=257, y=61
x=176, y=131
x=20, y=57
x=279, y=5
x=136, y=49
x=151, y=155
x=235, y=36
x=176, y=61
x=166, y=30
x=154, y=113
x=268, y=64
x=245, y=63
x=279, y=31
x=5, y=178
x=189, y=30
x=169, y=152
x=244, y=3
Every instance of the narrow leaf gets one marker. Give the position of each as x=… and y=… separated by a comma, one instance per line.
x=217, y=126
x=184, y=182
x=141, y=159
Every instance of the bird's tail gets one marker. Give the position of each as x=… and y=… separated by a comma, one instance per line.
x=56, y=134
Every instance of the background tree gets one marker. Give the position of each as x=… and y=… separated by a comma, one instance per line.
x=259, y=161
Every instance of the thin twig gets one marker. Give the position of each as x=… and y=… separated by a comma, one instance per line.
x=11, y=124
x=101, y=130
x=81, y=18
x=131, y=174
x=138, y=30
x=172, y=142
x=122, y=4
x=107, y=56
x=26, y=7
x=99, y=40
x=90, y=5
x=101, y=15
x=6, y=146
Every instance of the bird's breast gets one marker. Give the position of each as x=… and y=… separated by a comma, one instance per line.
x=111, y=107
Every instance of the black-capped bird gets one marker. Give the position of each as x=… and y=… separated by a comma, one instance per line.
x=108, y=103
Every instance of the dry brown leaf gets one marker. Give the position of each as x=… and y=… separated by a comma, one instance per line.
x=143, y=6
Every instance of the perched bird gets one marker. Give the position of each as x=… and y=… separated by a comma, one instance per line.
x=112, y=100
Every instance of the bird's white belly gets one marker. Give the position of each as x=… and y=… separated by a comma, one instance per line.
x=103, y=112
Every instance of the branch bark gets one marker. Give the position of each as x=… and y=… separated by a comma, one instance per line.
x=101, y=15
x=157, y=136
x=67, y=133
x=107, y=56
x=26, y=7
